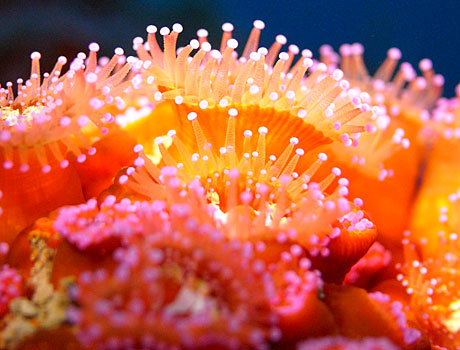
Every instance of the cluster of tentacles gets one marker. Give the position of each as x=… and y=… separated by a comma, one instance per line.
x=198, y=198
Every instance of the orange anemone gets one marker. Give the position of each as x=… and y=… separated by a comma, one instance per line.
x=405, y=99
x=436, y=208
x=91, y=234
x=229, y=224
x=190, y=292
x=433, y=286
x=264, y=91
x=46, y=121
x=259, y=199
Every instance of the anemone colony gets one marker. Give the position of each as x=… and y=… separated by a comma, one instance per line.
x=195, y=198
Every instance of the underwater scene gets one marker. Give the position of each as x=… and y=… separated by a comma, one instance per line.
x=194, y=187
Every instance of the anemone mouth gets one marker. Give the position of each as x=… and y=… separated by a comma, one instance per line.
x=12, y=116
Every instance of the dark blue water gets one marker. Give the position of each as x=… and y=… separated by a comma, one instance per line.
x=420, y=28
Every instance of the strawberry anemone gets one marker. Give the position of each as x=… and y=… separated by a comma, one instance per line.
x=45, y=130
x=405, y=101
x=260, y=198
x=436, y=208
x=177, y=286
x=82, y=237
x=296, y=286
x=213, y=98
x=432, y=282
x=265, y=91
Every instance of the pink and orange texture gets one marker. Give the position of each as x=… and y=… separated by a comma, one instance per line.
x=195, y=198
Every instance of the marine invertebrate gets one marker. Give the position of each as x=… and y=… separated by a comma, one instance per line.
x=200, y=297
x=432, y=283
x=91, y=232
x=88, y=226
x=404, y=93
x=44, y=123
x=214, y=98
x=265, y=93
x=405, y=101
x=256, y=198
x=234, y=223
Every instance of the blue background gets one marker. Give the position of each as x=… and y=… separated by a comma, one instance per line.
x=420, y=28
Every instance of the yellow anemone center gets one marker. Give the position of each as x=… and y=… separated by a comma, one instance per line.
x=11, y=117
